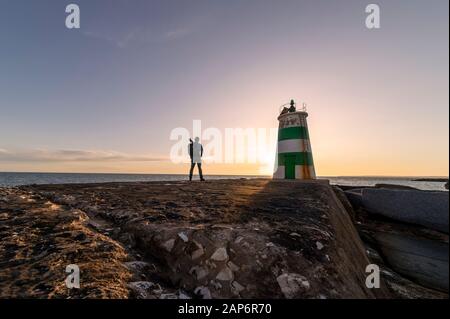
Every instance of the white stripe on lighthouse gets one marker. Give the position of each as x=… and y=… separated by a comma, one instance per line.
x=280, y=173
x=294, y=146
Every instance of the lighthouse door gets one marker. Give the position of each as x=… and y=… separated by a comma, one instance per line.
x=290, y=167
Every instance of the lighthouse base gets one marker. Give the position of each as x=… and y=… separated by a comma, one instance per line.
x=295, y=172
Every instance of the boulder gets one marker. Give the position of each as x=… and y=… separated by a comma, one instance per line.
x=394, y=186
x=354, y=197
x=424, y=261
x=425, y=208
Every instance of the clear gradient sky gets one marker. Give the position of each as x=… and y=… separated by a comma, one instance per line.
x=105, y=98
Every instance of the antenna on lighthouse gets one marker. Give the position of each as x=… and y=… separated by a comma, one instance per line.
x=304, y=107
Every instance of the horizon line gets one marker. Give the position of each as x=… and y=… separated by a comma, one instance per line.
x=250, y=175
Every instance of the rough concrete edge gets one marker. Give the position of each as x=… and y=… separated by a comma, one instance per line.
x=382, y=293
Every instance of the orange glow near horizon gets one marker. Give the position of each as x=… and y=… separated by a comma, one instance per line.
x=323, y=168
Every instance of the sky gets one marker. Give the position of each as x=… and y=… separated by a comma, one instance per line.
x=106, y=97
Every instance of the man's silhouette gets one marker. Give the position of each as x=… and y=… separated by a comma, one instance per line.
x=196, y=153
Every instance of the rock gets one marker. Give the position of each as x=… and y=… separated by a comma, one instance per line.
x=203, y=292
x=146, y=285
x=428, y=209
x=168, y=245
x=432, y=180
x=194, y=249
x=319, y=245
x=225, y=274
x=197, y=253
x=199, y=272
x=127, y=239
x=220, y=255
x=137, y=266
x=232, y=266
x=183, y=295
x=374, y=256
x=141, y=289
x=217, y=285
x=292, y=285
x=354, y=196
x=222, y=226
x=394, y=186
x=183, y=237
x=425, y=261
x=237, y=287
x=157, y=289
x=94, y=224
x=210, y=264
x=406, y=289
x=168, y=296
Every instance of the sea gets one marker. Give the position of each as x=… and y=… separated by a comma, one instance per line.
x=18, y=179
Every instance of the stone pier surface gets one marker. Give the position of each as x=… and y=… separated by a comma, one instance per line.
x=243, y=238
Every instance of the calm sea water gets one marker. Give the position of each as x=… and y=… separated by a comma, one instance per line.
x=16, y=179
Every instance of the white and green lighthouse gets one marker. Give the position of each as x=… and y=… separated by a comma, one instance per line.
x=294, y=156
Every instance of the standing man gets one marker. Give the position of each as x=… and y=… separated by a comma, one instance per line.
x=196, y=153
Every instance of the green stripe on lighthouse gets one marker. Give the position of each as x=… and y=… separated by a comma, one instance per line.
x=301, y=158
x=291, y=133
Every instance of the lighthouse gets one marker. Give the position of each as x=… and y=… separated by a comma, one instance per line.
x=294, y=156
